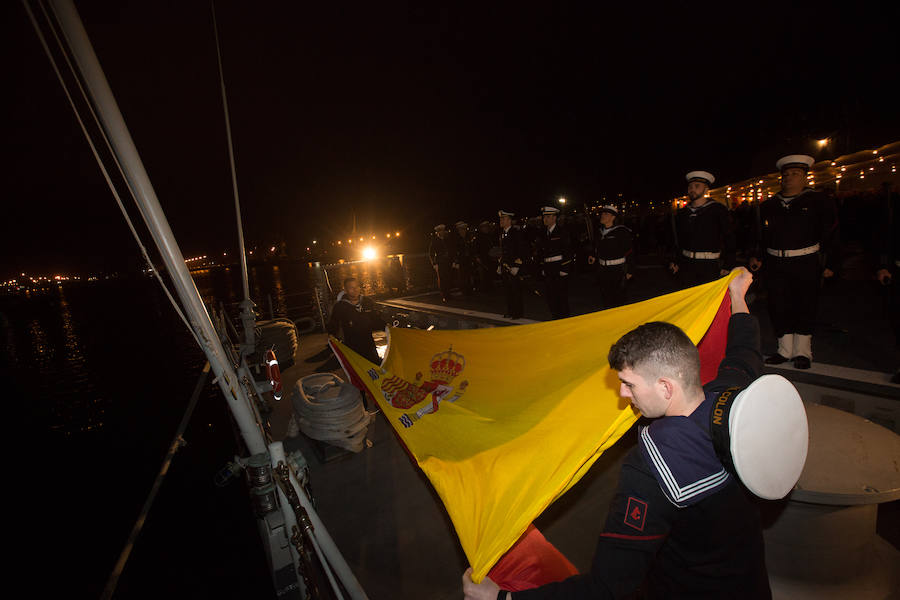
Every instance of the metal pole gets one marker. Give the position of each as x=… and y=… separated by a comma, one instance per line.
x=155, y=219
x=248, y=317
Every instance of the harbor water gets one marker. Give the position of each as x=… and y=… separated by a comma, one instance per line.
x=102, y=373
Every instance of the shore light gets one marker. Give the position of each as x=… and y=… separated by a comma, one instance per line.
x=562, y=200
x=822, y=142
x=369, y=253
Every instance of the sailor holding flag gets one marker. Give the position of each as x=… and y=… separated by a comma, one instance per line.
x=681, y=523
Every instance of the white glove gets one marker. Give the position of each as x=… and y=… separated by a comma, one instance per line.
x=514, y=271
x=499, y=270
x=562, y=273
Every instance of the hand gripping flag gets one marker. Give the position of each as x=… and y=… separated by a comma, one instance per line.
x=505, y=420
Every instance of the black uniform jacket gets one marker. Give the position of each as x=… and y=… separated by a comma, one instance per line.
x=441, y=251
x=354, y=324
x=513, y=250
x=704, y=229
x=551, y=244
x=613, y=243
x=680, y=526
x=792, y=223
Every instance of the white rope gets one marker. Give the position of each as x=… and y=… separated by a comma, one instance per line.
x=96, y=154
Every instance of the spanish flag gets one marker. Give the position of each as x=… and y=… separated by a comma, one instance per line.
x=505, y=420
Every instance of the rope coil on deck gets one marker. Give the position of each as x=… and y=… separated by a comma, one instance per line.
x=330, y=410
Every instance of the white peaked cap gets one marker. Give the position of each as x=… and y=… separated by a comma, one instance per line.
x=505, y=213
x=610, y=209
x=549, y=210
x=768, y=435
x=705, y=176
x=792, y=160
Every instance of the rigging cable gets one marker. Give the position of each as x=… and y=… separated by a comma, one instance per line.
x=96, y=154
x=178, y=439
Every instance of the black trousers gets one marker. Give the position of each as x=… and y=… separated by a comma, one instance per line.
x=612, y=285
x=557, y=290
x=697, y=271
x=793, y=288
x=512, y=285
x=445, y=279
x=485, y=274
x=464, y=277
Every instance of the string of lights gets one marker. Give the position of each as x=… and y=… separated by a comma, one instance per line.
x=856, y=166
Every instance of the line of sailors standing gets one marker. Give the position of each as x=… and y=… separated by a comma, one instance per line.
x=796, y=244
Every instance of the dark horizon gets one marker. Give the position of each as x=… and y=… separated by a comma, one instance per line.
x=413, y=115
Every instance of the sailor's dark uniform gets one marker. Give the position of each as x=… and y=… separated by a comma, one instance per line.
x=441, y=254
x=705, y=243
x=554, y=252
x=465, y=261
x=613, y=250
x=680, y=525
x=354, y=324
x=796, y=234
x=513, y=252
x=486, y=265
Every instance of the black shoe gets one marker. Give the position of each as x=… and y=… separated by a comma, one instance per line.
x=801, y=362
x=776, y=359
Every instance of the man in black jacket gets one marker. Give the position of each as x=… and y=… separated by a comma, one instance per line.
x=440, y=253
x=614, y=255
x=554, y=251
x=680, y=525
x=354, y=318
x=704, y=244
x=798, y=233
x=512, y=261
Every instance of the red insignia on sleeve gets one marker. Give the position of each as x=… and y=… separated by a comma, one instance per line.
x=636, y=513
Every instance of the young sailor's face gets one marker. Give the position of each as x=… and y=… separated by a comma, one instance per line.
x=696, y=189
x=793, y=180
x=352, y=290
x=643, y=395
x=607, y=219
x=549, y=220
x=505, y=222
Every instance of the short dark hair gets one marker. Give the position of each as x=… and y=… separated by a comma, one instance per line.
x=657, y=350
x=348, y=280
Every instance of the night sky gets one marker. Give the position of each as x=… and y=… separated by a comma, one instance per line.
x=411, y=115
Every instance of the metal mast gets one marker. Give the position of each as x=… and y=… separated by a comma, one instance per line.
x=155, y=219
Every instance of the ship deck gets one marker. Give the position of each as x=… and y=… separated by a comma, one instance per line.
x=391, y=526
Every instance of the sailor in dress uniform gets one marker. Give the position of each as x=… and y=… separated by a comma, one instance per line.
x=554, y=252
x=797, y=233
x=613, y=253
x=512, y=260
x=703, y=248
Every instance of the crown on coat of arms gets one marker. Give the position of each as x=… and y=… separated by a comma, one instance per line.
x=445, y=366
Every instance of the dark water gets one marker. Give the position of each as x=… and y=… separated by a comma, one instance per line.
x=101, y=374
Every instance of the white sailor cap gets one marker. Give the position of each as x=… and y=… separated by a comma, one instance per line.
x=610, y=209
x=549, y=210
x=761, y=434
x=704, y=176
x=441, y=227
x=801, y=161
x=505, y=213
x=461, y=224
